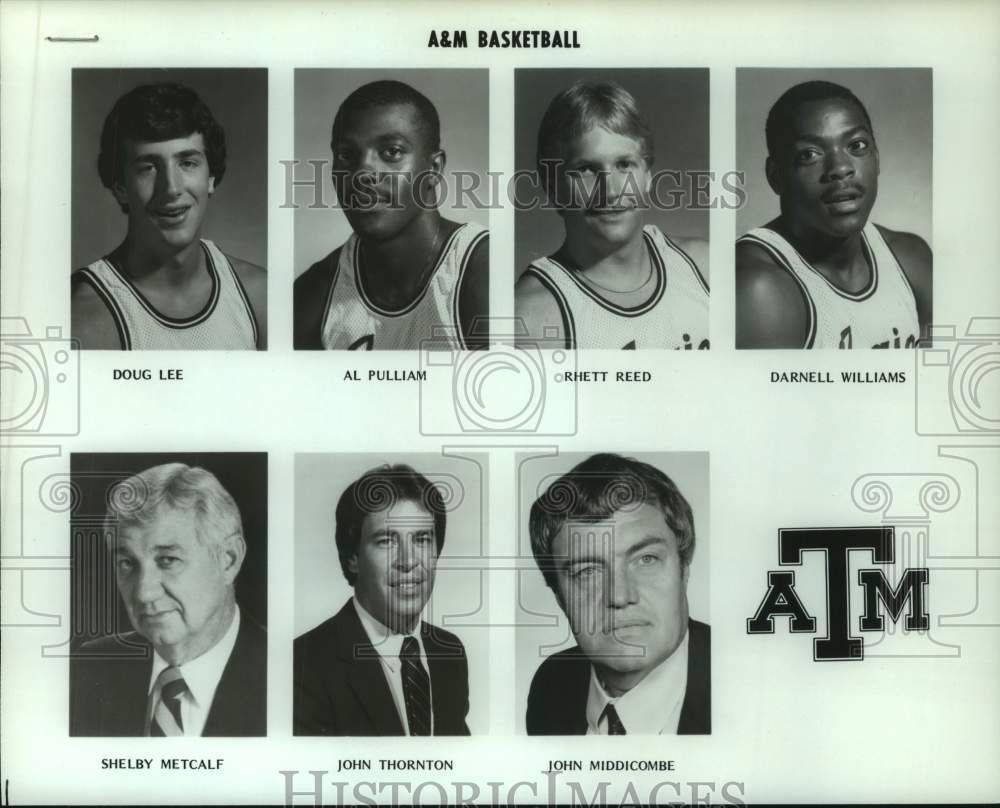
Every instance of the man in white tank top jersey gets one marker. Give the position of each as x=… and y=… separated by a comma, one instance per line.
x=614, y=282
x=407, y=278
x=163, y=155
x=821, y=275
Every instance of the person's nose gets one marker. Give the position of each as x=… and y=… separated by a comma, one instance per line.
x=367, y=167
x=148, y=585
x=621, y=590
x=617, y=184
x=839, y=165
x=406, y=553
x=169, y=181
x=602, y=190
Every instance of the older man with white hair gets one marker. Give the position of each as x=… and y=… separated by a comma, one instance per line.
x=177, y=544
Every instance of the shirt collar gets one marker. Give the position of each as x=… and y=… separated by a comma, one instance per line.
x=386, y=642
x=647, y=708
x=202, y=674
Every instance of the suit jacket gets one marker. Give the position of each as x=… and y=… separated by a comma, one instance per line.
x=109, y=694
x=557, y=701
x=340, y=687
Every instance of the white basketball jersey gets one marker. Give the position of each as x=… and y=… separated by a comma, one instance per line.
x=674, y=316
x=882, y=315
x=226, y=322
x=352, y=321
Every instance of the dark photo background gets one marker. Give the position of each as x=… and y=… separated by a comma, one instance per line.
x=674, y=102
x=900, y=104
x=237, y=214
x=462, y=100
x=96, y=609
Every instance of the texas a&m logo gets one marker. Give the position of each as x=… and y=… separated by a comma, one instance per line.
x=834, y=545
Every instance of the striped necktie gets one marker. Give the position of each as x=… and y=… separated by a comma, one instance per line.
x=416, y=688
x=615, y=725
x=166, y=720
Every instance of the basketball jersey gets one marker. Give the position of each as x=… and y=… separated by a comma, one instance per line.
x=882, y=315
x=353, y=321
x=674, y=316
x=225, y=322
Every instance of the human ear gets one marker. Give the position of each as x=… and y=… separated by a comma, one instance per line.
x=438, y=161
x=121, y=196
x=234, y=550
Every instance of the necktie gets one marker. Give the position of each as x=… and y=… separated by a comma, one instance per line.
x=416, y=688
x=166, y=720
x=615, y=725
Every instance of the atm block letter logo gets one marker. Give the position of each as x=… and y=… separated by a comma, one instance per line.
x=836, y=544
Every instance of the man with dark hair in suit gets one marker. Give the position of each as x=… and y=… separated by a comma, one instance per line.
x=375, y=668
x=614, y=539
x=194, y=664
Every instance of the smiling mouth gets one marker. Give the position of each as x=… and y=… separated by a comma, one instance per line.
x=407, y=586
x=172, y=215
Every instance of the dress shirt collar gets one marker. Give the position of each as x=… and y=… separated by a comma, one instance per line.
x=384, y=640
x=653, y=706
x=202, y=674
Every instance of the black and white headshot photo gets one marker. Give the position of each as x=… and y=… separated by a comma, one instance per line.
x=613, y=252
x=168, y=257
x=390, y=602
x=392, y=258
x=169, y=595
x=620, y=543
x=833, y=249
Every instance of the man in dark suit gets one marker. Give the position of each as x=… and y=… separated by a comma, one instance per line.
x=194, y=665
x=375, y=668
x=614, y=538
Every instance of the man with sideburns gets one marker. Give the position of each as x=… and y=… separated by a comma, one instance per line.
x=163, y=156
x=614, y=539
x=195, y=664
x=376, y=668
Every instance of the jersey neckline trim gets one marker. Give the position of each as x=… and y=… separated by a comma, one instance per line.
x=121, y=326
x=625, y=311
x=460, y=336
x=565, y=312
x=163, y=319
x=857, y=297
x=782, y=261
x=359, y=282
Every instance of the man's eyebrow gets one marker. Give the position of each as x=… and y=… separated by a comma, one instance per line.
x=808, y=138
x=390, y=136
x=588, y=557
x=168, y=548
x=648, y=541
x=149, y=157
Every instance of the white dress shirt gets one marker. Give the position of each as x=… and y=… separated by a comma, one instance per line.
x=652, y=707
x=387, y=645
x=201, y=675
